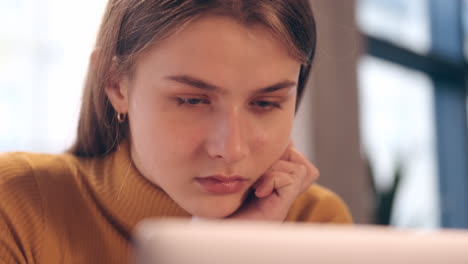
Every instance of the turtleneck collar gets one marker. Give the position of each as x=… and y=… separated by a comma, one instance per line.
x=127, y=195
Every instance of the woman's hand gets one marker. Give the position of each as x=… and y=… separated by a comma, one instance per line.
x=274, y=193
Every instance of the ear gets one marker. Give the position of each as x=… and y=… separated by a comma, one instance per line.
x=116, y=89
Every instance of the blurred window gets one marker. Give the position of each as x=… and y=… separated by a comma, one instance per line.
x=44, y=51
x=397, y=131
x=402, y=22
x=414, y=107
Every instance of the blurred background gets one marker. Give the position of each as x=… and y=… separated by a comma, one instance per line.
x=384, y=117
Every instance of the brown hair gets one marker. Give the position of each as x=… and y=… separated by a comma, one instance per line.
x=129, y=27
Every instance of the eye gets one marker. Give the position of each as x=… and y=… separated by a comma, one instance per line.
x=265, y=105
x=192, y=101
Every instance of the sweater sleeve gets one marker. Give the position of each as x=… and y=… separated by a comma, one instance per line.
x=319, y=205
x=21, y=218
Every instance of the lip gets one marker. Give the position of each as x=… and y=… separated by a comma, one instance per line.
x=219, y=184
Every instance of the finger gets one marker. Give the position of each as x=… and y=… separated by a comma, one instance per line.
x=300, y=167
x=258, y=182
x=299, y=171
x=287, y=166
x=266, y=186
x=287, y=152
x=298, y=157
x=274, y=182
x=282, y=180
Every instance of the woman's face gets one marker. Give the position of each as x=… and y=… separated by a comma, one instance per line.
x=210, y=109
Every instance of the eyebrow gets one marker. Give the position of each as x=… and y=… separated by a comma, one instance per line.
x=200, y=84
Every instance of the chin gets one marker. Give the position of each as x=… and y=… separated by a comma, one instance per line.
x=216, y=209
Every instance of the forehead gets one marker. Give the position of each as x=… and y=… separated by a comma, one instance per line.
x=221, y=50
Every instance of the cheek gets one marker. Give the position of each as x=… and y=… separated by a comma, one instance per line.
x=270, y=142
x=166, y=148
x=166, y=139
x=276, y=131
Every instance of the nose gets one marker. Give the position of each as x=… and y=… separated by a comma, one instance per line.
x=227, y=139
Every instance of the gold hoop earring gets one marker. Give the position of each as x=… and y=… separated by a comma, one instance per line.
x=121, y=117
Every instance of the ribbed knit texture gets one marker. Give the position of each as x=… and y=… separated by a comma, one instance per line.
x=64, y=209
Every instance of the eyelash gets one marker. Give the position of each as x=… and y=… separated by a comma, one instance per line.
x=191, y=101
x=266, y=105
x=263, y=105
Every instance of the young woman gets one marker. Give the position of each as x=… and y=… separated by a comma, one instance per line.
x=187, y=111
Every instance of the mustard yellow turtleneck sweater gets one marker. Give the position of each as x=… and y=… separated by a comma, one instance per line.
x=65, y=209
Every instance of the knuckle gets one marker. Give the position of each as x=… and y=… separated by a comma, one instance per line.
x=316, y=172
x=303, y=168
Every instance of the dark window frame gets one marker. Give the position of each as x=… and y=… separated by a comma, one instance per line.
x=445, y=64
